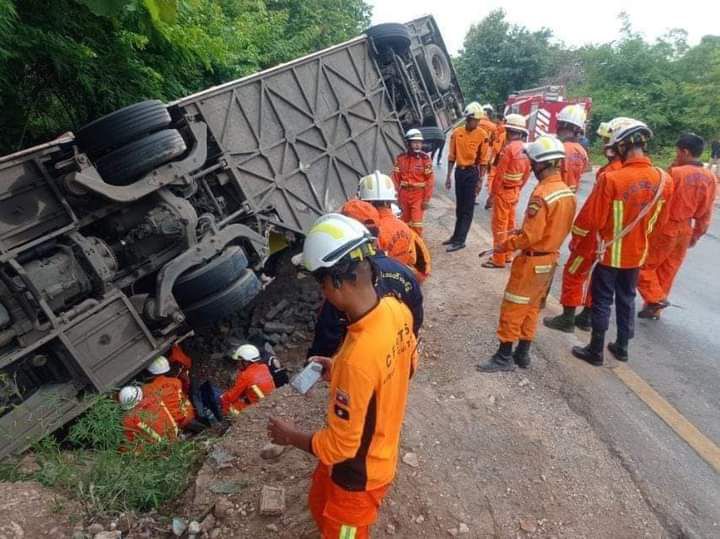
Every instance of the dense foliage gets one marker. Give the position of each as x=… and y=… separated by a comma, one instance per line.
x=65, y=62
x=667, y=83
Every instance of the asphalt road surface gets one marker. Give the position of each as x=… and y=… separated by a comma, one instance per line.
x=678, y=357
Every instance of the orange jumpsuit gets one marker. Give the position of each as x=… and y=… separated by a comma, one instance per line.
x=547, y=223
x=692, y=200
x=179, y=357
x=513, y=171
x=423, y=261
x=396, y=238
x=497, y=145
x=615, y=203
x=574, y=164
x=251, y=384
x=363, y=212
x=414, y=180
x=490, y=128
x=582, y=253
x=149, y=422
x=169, y=390
x=358, y=449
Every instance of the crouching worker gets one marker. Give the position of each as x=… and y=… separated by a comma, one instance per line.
x=167, y=387
x=548, y=219
x=147, y=419
x=369, y=378
x=254, y=380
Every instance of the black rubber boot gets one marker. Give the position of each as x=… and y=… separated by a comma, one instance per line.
x=582, y=321
x=521, y=356
x=564, y=322
x=593, y=352
x=651, y=311
x=620, y=353
x=502, y=360
x=449, y=241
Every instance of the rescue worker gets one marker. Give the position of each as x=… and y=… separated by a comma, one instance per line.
x=183, y=361
x=548, y=219
x=499, y=143
x=488, y=124
x=396, y=237
x=513, y=171
x=468, y=155
x=570, y=127
x=689, y=213
x=253, y=382
x=575, y=291
x=369, y=379
x=414, y=181
x=623, y=209
x=147, y=419
x=169, y=390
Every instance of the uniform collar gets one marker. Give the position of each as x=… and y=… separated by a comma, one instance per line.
x=642, y=160
x=550, y=179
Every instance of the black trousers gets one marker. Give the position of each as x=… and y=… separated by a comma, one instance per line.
x=466, y=180
x=621, y=284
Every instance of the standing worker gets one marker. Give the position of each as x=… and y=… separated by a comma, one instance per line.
x=396, y=237
x=414, y=180
x=369, y=379
x=570, y=127
x=488, y=124
x=253, y=382
x=583, y=245
x=548, y=219
x=512, y=172
x=468, y=154
x=624, y=208
x=498, y=144
x=689, y=213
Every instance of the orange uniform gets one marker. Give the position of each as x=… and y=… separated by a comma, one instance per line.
x=547, y=223
x=251, y=384
x=498, y=143
x=582, y=252
x=469, y=148
x=169, y=390
x=149, y=422
x=689, y=213
x=396, y=238
x=617, y=200
x=414, y=180
x=179, y=357
x=358, y=449
x=363, y=212
x=423, y=262
x=574, y=164
x=513, y=171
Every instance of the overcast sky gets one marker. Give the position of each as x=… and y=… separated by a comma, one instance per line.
x=575, y=23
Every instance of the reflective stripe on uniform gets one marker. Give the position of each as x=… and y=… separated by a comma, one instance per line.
x=420, y=185
x=514, y=298
x=258, y=392
x=650, y=228
x=579, y=231
x=347, y=532
x=170, y=417
x=511, y=177
x=616, y=249
x=575, y=264
x=147, y=429
x=544, y=268
x=557, y=195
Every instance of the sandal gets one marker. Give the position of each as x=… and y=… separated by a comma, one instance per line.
x=490, y=264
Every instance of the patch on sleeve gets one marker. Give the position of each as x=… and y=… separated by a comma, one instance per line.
x=342, y=413
x=342, y=398
x=534, y=206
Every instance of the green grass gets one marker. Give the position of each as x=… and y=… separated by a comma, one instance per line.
x=99, y=476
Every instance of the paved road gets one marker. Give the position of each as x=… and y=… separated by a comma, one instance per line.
x=679, y=357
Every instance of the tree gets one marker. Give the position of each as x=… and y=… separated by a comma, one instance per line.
x=498, y=58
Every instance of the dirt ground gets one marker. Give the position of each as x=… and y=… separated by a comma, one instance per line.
x=499, y=455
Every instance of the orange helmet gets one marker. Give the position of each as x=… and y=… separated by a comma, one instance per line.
x=363, y=212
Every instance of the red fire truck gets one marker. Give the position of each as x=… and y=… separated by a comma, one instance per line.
x=541, y=106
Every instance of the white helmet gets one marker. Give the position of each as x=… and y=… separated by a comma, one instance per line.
x=414, y=134
x=333, y=237
x=397, y=212
x=615, y=123
x=474, y=110
x=487, y=107
x=246, y=352
x=545, y=148
x=129, y=397
x=630, y=129
x=160, y=365
x=516, y=122
x=574, y=115
x=603, y=130
x=377, y=187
